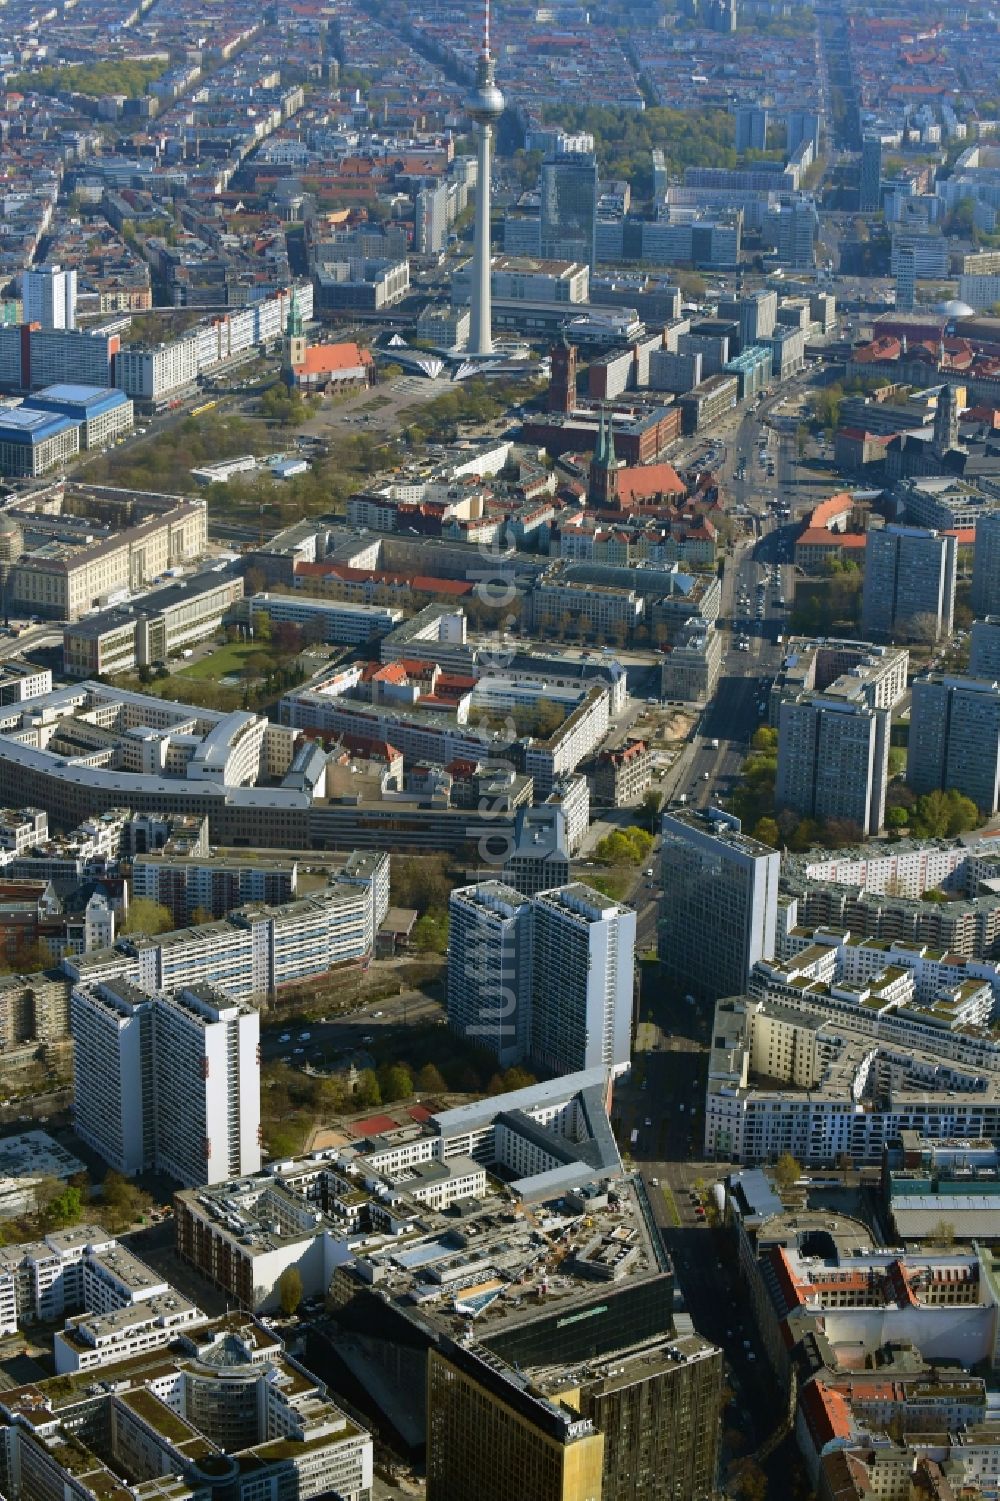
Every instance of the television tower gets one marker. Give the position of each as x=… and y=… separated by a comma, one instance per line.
x=484, y=107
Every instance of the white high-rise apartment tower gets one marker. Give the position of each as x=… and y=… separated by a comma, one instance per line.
x=484, y=108
x=583, y=962
x=489, y=968
x=167, y=1082
x=49, y=296
x=547, y=978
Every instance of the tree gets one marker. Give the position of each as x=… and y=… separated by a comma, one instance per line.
x=200, y=916
x=430, y=933
x=124, y=1201
x=943, y=1233
x=764, y=739
x=420, y=881
x=431, y=1079
x=518, y=1078
x=625, y=846
x=652, y=802
x=787, y=1170
x=748, y=1481
x=962, y=813
x=145, y=916
x=767, y=831
x=330, y=1094
x=261, y=626
x=395, y=1082
x=64, y=1208
x=290, y=1290
x=366, y=1090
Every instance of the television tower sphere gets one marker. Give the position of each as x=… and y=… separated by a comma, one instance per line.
x=486, y=103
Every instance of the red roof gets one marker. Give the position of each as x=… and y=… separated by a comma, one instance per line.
x=373, y=1126
x=390, y=672
x=829, y=510
x=821, y=536
x=878, y=349
x=322, y=359
x=647, y=481
x=424, y=583
x=826, y=1413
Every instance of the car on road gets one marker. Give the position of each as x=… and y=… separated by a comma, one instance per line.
x=285, y=1037
x=298, y=1050
x=304, y=1036
x=648, y=1121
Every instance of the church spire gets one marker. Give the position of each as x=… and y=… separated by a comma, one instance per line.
x=293, y=328
x=603, y=481
x=599, y=446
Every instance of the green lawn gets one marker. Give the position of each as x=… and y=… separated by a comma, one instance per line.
x=229, y=658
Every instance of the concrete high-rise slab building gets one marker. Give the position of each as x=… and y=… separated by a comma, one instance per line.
x=984, y=656
x=430, y=218
x=548, y=977
x=985, y=598
x=167, y=1082
x=484, y=108
x=802, y=125
x=720, y=902
x=833, y=759
x=906, y=278
x=955, y=738
x=757, y=314
x=49, y=297
x=751, y=127
x=870, y=197
x=583, y=963
x=489, y=968
x=909, y=588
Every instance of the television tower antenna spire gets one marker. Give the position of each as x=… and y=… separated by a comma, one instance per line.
x=484, y=108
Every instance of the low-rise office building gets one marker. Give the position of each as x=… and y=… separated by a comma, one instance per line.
x=33, y=442
x=692, y=664
x=707, y=402
x=622, y=774
x=333, y=621
x=147, y=631
x=102, y=413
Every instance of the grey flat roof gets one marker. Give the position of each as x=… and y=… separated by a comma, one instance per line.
x=482, y=1113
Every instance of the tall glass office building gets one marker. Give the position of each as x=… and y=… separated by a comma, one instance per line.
x=569, y=208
